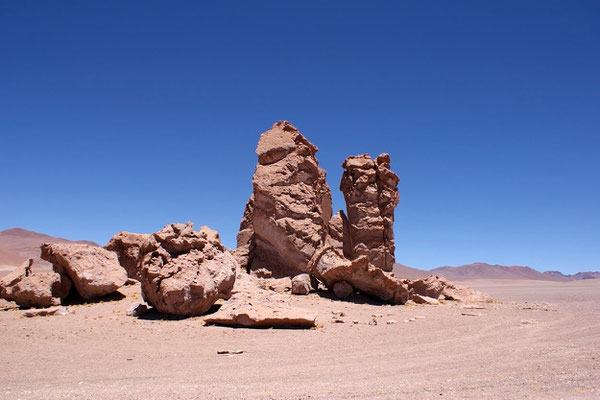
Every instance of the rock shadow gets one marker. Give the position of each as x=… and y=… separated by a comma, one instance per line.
x=357, y=298
x=74, y=298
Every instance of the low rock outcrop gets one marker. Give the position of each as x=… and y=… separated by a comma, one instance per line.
x=435, y=287
x=95, y=272
x=371, y=192
x=253, y=307
x=331, y=267
x=34, y=289
x=183, y=272
x=286, y=219
x=128, y=247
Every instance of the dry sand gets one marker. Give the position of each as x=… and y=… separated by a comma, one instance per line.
x=541, y=341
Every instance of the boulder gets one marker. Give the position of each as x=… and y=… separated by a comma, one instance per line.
x=34, y=289
x=253, y=307
x=436, y=287
x=431, y=286
x=183, y=272
x=371, y=192
x=95, y=271
x=343, y=290
x=331, y=267
x=286, y=219
x=301, y=284
x=128, y=247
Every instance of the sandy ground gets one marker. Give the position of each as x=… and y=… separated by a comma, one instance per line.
x=541, y=340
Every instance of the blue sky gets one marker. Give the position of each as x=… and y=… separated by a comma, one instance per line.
x=125, y=115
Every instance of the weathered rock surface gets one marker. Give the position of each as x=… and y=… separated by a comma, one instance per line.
x=343, y=290
x=371, y=192
x=7, y=305
x=128, y=247
x=44, y=312
x=436, y=287
x=330, y=267
x=95, y=271
x=253, y=307
x=34, y=289
x=287, y=217
x=183, y=272
x=301, y=284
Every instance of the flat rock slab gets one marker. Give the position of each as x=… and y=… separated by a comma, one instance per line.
x=44, y=312
x=253, y=307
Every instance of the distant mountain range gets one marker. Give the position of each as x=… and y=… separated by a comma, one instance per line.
x=18, y=244
x=481, y=270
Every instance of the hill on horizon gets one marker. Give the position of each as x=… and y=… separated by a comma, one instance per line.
x=480, y=270
x=18, y=244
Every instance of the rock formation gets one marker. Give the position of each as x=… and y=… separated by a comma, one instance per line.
x=95, y=272
x=287, y=217
x=252, y=306
x=331, y=267
x=183, y=272
x=128, y=247
x=371, y=194
x=34, y=289
x=436, y=287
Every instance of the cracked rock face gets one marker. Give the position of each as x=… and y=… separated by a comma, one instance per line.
x=371, y=192
x=286, y=219
x=34, y=289
x=183, y=272
x=128, y=247
x=331, y=267
x=95, y=271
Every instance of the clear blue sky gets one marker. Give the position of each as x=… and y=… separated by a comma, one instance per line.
x=125, y=115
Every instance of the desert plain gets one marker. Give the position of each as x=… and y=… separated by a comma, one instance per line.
x=537, y=340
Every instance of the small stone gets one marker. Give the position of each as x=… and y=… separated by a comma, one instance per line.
x=338, y=320
x=343, y=290
x=42, y=312
x=137, y=310
x=373, y=322
x=301, y=284
x=391, y=322
x=355, y=321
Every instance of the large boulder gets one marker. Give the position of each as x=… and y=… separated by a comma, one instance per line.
x=331, y=267
x=30, y=288
x=95, y=271
x=371, y=192
x=128, y=247
x=183, y=272
x=286, y=218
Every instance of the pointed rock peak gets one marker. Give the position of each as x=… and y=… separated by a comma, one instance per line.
x=279, y=141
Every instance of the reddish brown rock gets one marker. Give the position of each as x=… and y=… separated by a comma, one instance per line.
x=301, y=284
x=253, y=307
x=95, y=271
x=330, y=267
x=342, y=290
x=183, y=272
x=436, y=287
x=34, y=289
x=287, y=217
x=371, y=194
x=128, y=247
x=245, y=237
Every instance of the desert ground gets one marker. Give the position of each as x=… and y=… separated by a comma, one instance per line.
x=539, y=340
